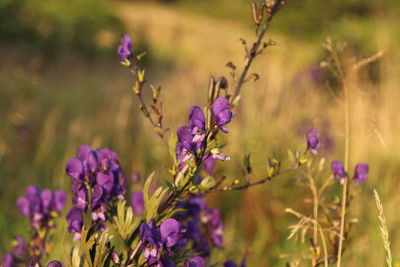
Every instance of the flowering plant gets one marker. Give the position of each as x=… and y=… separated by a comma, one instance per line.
x=173, y=225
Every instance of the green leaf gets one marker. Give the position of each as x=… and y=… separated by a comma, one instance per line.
x=172, y=141
x=169, y=185
x=125, y=222
x=146, y=188
x=154, y=202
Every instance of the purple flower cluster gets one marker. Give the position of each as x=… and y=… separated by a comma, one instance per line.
x=95, y=173
x=191, y=138
x=360, y=172
x=158, y=242
x=204, y=226
x=42, y=208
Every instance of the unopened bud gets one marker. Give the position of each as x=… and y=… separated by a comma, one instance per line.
x=115, y=258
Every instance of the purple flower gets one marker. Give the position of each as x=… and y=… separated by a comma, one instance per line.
x=135, y=177
x=196, y=119
x=75, y=222
x=137, y=203
x=313, y=141
x=203, y=225
x=115, y=257
x=338, y=170
x=74, y=169
x=217, y=228
x=20, y=246
x=60, y=199
x=105, y=180
x=231, y=263
x=216, y=153
x=40, y=206
x=151, y=241
x=55, y=264
x=361, y=172
x=196, y=261
x=222, y=114
x=125, y=48
x=8, y=260
x=170, y=232
x=165, y=262
x=209, y=164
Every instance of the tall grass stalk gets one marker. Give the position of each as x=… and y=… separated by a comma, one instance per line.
x=343, y=80
x=383, y=229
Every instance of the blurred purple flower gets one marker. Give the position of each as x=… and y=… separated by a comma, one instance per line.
x=204, y=226
x=41, y=207
x=313, y=141
x=231, y=263
x=125, y=48
x=137, y=203
x=222, y=114
x=115, y=257
x=135, y=177
x=196, y=261
x=338, y=170
x=361, y=172
x=55, y=264
x=8, y=260
x=209, y=164
x=19, y=247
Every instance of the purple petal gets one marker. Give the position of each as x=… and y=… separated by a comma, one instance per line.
x=106, y=180
x=196, y=118
x=23, y=206
x=60, y=199
x=137, y=203
x=83, y=152
x=75, y=220
x=20, y=247
x=54, y=264
x=125, y=48
x=196, y=261
x=361, y=172
x=74, y=169
x=166, y=262
x=230, y=263
x=220, y=104
x=47, y=196
x=338, y=170
x=313, y=140
x=169, y=230
x=209, y=164
x=8, y=260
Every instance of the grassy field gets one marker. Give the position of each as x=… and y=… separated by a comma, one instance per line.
x=50, y=106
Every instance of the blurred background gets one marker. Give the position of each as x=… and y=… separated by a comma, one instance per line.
x=61, y=86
